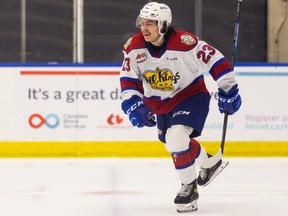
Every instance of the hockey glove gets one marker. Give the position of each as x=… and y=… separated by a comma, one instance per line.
x=139, y=114
x=229, y=102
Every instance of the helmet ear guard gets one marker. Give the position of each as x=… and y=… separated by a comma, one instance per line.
x=164, y=28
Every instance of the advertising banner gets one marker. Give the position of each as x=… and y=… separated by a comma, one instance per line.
x=83, y=104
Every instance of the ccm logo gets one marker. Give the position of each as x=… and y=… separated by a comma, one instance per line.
x=181, y=113
x=134, y=106
x=230, y=100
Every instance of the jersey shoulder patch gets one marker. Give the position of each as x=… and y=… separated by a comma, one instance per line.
x=128, y=42
x=182, y=41
x=135, y=42
x=187, y=39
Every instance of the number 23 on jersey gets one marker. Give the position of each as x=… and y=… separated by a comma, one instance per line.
x=206, y=53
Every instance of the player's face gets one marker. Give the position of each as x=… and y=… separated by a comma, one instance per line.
x=149, y=30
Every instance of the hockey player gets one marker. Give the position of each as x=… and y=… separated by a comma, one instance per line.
x=162, y=74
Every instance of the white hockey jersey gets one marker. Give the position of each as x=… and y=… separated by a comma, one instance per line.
x=165, y=78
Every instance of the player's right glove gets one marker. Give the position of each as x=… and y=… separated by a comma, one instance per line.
x=139, y=114
x=229, y=102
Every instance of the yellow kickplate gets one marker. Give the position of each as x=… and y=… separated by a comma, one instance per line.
x=132, y=149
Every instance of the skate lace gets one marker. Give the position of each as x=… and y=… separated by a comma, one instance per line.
x=203, y=173
x=185, y=190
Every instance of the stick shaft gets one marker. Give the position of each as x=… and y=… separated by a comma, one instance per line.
x=235, y=41
x=225, y=121
x=236, y=32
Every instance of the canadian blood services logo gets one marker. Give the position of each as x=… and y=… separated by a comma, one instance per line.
x=51, y=121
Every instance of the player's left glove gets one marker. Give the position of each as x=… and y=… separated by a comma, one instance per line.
x=229, y=102
x=139, y=114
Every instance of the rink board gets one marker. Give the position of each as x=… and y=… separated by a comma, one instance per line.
x=75, y=111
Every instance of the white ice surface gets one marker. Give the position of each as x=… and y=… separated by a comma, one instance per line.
x=137, y=187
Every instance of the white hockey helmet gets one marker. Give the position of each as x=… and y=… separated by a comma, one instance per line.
x=156, y=11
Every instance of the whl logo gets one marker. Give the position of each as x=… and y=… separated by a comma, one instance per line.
x=114, y=120
x=51, y=121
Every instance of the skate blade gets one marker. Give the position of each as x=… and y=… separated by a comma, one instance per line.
x=218, y=171
x=189, y=207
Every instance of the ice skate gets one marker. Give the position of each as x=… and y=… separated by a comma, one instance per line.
x=186, y=199
x=206, y=175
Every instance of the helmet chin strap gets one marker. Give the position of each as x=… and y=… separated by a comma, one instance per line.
x=157, y=41
x=161, y=34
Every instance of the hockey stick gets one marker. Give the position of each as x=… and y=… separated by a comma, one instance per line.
x=215, y=158
x=235, y=41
